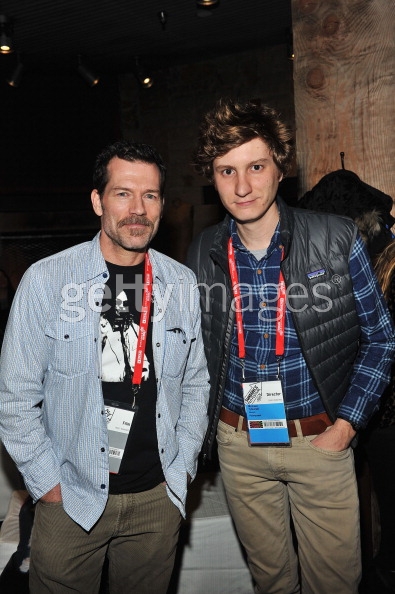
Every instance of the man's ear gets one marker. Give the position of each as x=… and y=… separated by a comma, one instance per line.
x=96, y=203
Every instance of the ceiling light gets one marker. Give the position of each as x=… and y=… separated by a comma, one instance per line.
x=16, y=76
x=205, y=8
x=87, y=74
x=290, y=44
x=145, y=80
x=6, y=42
x=162, y=16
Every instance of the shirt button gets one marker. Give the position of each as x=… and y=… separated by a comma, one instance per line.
x=158, y=344
x=102, y=449
x=66, y=336
x=263, y=304
x=259, y=271
x=162, y=451
x=158, y=415
x=105, y=275
x=266, y=335
x=262, y=366
x=102, y=486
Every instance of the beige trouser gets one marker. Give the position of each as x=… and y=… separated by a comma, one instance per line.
x=137, y=531
x=267, y=486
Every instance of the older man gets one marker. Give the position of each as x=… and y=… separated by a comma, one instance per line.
x=107, y=442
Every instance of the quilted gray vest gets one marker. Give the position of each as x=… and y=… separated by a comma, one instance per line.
x=320, y=293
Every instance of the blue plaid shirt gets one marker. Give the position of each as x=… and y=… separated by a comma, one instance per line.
x=259, y=289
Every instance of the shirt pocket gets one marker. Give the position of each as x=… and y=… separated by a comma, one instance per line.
x=72, y=349
x=177, y=347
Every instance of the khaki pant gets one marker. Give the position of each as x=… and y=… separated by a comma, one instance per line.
x=137, y=531
x=267, y=486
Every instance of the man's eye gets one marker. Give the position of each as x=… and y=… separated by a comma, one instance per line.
x=227, y=171
x=257, y=167
x=151, y=196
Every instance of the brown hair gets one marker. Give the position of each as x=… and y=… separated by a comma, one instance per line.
x=385, y=268
x=231, y=124
x=128, y=151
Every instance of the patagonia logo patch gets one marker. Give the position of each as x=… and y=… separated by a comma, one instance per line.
x=316, y=274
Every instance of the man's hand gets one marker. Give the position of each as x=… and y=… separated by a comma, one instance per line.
x=53, y=496
x=337, y=438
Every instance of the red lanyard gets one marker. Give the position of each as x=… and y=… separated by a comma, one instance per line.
x=280, y=321
x=234, y=277
x=281, y=301
x=144, y=321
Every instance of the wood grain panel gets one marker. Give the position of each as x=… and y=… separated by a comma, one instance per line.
x=344, y=77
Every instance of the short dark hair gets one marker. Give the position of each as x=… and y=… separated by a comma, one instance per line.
x=129, y=151
x=232, y=123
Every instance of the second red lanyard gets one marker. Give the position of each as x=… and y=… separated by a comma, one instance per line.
x=144, y=322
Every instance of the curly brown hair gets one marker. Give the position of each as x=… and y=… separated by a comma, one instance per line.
x=232, y=123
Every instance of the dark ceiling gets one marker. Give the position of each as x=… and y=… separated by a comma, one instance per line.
x=109, y=34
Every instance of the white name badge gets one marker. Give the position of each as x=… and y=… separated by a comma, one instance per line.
x=119, y=423
x=265, y=410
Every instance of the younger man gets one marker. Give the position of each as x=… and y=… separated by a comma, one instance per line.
x=299, y=358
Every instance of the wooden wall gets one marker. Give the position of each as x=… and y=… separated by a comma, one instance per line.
x=344, y=84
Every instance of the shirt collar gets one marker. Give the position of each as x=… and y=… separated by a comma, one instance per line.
x=275, y=242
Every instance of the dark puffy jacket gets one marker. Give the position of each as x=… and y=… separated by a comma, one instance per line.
x=328, y=336
x=343, y=193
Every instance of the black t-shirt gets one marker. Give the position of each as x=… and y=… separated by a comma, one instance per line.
x=140, y=469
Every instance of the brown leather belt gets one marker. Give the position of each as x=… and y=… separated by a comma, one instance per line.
x=310, y=425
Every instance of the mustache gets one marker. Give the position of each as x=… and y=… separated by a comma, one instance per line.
x=135, y=220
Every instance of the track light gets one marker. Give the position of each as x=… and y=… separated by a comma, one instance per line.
x=16, y=76
x=145, y=80
x=290, y=44
x=162, y=16
x=6, y=41
x=87, y=74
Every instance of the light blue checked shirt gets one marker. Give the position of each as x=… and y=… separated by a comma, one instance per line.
x=371, y=372
x=52, y=419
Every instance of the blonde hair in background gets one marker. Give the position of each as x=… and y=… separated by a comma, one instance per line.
x=385, y=268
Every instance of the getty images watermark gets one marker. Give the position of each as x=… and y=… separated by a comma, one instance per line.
x=74, y=295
